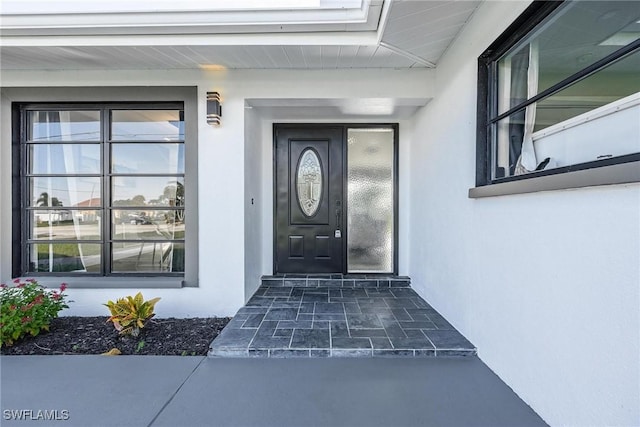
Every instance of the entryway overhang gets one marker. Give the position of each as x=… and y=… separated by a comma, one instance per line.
x=335, y=109
x=244, y=34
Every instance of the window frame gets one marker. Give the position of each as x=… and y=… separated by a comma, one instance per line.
x=106, y=175
x=127, y=97
x=487, y=115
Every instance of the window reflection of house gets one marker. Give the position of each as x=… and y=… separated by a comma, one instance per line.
x=90, y=212
x=52, y=216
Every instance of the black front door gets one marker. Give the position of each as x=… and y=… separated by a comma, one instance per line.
x=309, y=201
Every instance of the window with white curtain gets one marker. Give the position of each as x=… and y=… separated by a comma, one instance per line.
x=103, y=189
x=559, y=91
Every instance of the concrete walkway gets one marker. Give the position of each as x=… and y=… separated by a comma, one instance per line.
x=199, y=391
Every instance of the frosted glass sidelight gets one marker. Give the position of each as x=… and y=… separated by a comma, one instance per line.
x=370, y=186
x=309, y=182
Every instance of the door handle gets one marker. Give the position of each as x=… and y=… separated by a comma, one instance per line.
x=338, y=215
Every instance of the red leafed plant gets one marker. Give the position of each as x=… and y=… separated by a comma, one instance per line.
x=28, y=308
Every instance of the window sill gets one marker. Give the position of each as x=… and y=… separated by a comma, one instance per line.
x=623, y=173
x=110, y=282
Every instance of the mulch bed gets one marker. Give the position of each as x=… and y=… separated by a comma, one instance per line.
x=93, y=335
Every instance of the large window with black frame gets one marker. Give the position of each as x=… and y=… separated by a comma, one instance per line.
x=560, y=91
x=102, y=189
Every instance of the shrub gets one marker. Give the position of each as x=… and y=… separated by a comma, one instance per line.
x=129, y=314
x=27, y=308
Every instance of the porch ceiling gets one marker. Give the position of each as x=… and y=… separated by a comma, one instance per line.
x=331, y=108
x=392, y=34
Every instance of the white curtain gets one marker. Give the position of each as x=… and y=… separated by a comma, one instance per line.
x=74, y=192
x=504, y=103
x=50, y=131
x=54, y=124
x=527, y=161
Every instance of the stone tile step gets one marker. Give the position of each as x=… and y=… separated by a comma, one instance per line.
x=337, y=280
x=337, y=352
x=328, y=321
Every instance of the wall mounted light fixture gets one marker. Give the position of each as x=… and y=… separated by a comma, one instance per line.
x=214, y=108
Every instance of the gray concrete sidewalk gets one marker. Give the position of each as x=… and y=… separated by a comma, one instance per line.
x=199, y=391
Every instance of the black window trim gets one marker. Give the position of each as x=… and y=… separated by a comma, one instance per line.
x=487, y=114
x=20, y=207
x=13, y=97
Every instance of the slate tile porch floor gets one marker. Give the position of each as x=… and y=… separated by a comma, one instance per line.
x=338, y=316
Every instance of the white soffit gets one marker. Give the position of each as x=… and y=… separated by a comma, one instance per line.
x=337, y=34
x=161, y=17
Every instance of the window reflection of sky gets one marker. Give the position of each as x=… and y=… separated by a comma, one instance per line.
x=59, y=159
x=148, y=158
x=65, y=126
x=147, y=125
x=127, y=125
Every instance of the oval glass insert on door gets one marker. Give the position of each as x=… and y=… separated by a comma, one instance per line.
x=309, y=182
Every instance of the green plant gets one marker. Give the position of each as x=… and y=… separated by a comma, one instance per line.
x=129, y=314
x=28, y=308
x=140, y=346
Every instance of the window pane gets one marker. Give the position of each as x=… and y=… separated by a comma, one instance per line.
x=608, y=85
x=63, y=159
x=587, y=129
x=309, y=182
x=64, y=126
x=147, y=125
x=64, y=205
x=64, y=257
x=370, y=200
x=509, y=133
x=147, y=158
x=65, y=191
x=148, y=257
x=65, y=224
x=576, y=36
x=148, y=191
x=148, y=225
x=595, y=137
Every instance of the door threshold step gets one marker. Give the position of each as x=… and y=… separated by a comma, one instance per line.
x=337, y=280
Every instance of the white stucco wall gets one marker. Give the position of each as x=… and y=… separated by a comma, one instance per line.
x=227, y=161
x=546, y=285
x=253, y=237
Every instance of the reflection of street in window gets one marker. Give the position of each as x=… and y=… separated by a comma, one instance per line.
x=66, y=181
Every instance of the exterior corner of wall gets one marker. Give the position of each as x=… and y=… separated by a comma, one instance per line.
x=253, y=195
x=5, y=187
